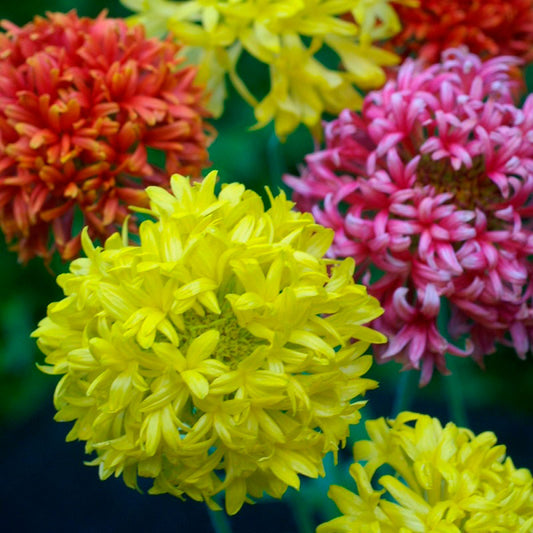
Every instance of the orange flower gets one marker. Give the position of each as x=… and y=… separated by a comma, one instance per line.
x=488, y=28
x=91, y=112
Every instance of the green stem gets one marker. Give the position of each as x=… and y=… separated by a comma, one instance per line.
x=405, y=392
x=301, y=512
x=452, y=383
x=276, y=162
x=456, y=405
x=219, y=521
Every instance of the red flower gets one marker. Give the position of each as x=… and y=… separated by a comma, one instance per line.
x=91, y=112
x=488, y=28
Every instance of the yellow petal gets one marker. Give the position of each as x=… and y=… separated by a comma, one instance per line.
x=197, y=383
x=202, y=347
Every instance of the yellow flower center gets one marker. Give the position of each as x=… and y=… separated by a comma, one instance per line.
x=235, y=343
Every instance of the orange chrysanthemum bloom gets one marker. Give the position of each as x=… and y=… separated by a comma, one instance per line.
x=488, y=28
x=91, y=112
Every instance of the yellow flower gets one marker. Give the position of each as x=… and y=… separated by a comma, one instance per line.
x=286, y=35
x=223, y=353
x=446, y=480
x=300, y=88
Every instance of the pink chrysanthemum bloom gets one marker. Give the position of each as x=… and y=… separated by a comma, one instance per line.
x=429, y=190
x=84, y=106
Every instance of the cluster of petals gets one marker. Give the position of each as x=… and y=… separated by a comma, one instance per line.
x=445, y=480
x=489, y=28
x=222, y=353
x=286, y=36
x=91, y=112
x=429, y=190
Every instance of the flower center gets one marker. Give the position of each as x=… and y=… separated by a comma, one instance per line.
x=470, y=186
x=235, y=343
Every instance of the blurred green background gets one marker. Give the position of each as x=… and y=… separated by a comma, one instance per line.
x=34, y=458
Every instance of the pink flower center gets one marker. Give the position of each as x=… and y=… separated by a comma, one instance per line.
x=470, y=185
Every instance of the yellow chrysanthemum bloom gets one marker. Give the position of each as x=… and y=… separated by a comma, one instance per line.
x=223, y=353
x=446, y=480
x=285, y=35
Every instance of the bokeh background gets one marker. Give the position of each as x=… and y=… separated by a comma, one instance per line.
x=45, y=486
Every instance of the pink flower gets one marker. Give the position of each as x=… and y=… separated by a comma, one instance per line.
x=429, y=189
x=91, y=112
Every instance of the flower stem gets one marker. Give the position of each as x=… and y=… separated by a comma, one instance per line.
x=456, y=404
x=452, y=383
x=404, y=393
x=301, y=512
x=219, y=521
x=276, y=161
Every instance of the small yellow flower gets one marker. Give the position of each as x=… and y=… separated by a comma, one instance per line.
x=286, y=35
x=223, y=353
x=300, y=87
x=446, y=480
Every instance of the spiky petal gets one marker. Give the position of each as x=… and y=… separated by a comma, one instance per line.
x=441, y=479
